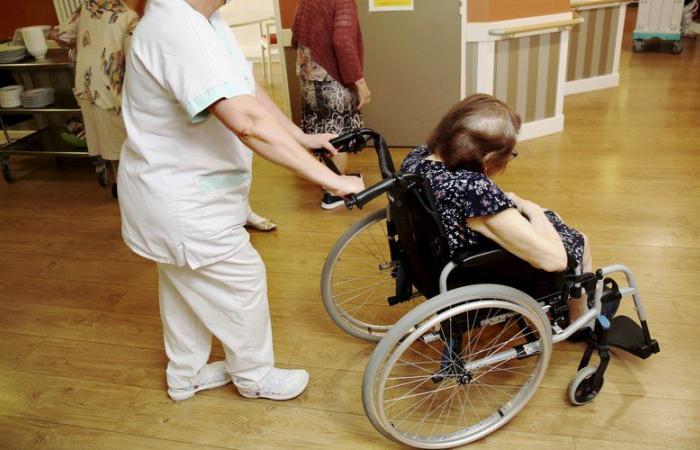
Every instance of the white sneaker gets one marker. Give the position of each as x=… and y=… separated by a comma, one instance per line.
x=278, y=384
x=211, y=376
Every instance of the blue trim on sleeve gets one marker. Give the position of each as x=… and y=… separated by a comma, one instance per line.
x=197, y=108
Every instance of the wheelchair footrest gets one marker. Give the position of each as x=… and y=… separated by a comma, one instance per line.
x=627, y=335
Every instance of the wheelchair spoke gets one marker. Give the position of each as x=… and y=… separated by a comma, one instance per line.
x=361, y=281
x=465, y=378
x=363, y=290
x=353, y=279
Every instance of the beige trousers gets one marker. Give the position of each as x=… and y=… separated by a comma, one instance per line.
x=104, y=131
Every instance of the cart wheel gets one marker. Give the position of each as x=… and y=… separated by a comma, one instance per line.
x=102, y=177
x=6, y=170
x=638, y=46
x=581, y=386
x=677, y=48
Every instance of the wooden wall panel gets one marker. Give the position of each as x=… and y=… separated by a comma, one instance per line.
x=23, y=13
x=494, y=10
x=287, y=10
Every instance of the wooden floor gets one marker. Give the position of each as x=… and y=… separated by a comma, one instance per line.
x=81, y=352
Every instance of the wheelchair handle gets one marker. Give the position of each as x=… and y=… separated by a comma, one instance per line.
x=394, y=182
x=362, y=198
x=342, y=140
x=359, y=138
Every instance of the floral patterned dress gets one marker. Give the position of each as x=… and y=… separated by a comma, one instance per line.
x=101, y=31
x=461, y=194
x=327, y=105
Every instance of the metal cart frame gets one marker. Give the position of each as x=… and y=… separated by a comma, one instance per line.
x=45, y=141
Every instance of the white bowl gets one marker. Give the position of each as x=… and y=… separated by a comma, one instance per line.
x=12, y=88
x=35, y=41
x=10, y=103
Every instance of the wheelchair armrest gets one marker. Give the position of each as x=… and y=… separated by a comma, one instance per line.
x=469, y=259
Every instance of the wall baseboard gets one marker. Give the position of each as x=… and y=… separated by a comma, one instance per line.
x=542, y=127
x=592, y=84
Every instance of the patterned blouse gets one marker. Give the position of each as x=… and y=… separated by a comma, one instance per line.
x=462, y=194
x=459, y=195
x=101, y=31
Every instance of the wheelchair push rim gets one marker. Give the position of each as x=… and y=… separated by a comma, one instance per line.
x=421, y=394
x=357, y=281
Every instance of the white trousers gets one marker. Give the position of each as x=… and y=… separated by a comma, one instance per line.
x=227, y=299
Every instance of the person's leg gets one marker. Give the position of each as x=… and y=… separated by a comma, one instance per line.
x=236, y=311
x=187, y=339
x=111, y=134
x=114, y=164
x=687, y=28
x=90, y=125
x=579, y=306
x=258, y=222
x=336, y=112
x=230, y=298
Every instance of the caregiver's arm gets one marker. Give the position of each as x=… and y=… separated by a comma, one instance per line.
x=265, y=135
x=309, y=141
x=536, y=241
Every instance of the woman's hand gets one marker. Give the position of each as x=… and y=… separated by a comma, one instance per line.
x=318, y=141
x=53, y=34
x=363, y=92
x=525, y=207
x=346, y=185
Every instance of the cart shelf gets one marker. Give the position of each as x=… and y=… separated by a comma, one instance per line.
x=65, y=102
x=55, y=59
x=46, y=142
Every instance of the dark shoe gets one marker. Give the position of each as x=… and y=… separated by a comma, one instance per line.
x=115, y=194
x=331, y=201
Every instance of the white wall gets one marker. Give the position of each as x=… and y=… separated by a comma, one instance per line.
x=238, y=11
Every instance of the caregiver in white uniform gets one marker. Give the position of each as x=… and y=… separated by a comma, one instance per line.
x=192, y=111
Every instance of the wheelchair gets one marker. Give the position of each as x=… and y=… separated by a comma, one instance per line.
x=464, y=340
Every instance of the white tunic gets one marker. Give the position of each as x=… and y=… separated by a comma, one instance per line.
x=184, y=177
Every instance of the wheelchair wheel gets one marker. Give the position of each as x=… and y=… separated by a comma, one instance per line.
x=458, y=367
x=358, y=278
x=580, y=389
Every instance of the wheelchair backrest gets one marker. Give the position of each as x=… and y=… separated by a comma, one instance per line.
x=424, y=250
x=416, y=222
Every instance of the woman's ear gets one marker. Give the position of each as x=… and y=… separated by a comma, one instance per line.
x=488, y=163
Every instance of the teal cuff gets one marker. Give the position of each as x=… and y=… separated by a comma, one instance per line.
x=197, y=108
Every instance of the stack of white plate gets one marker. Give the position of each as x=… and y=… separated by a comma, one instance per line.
x=18, y=39
x=11, y=53
x=11, y=96
x=38, y=98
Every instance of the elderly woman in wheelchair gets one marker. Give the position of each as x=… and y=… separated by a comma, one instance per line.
x=467, y=288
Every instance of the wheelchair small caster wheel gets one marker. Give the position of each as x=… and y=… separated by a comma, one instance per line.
x=581, y=389
x=677, y=48
x=638, y=46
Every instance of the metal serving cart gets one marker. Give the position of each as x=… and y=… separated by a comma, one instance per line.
x=46, y=139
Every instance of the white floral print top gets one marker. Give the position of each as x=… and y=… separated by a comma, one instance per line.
x=101, y=31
